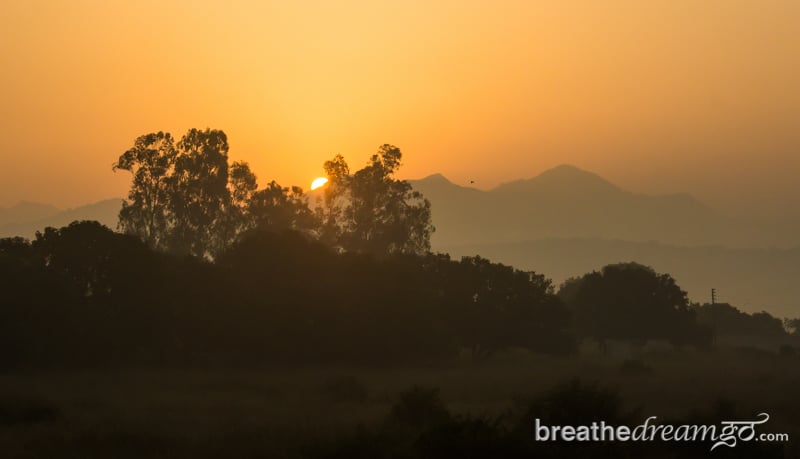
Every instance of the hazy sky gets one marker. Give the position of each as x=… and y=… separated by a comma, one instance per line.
x=657, y=96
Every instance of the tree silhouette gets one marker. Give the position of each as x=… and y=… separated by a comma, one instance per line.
x=495, y=307
x=729, y=322
x=372, y=212
x=335, y=195
x=186, y=199
x=631, y=302
x=278, y=208
x=146, y=213
x=199, y=193
x=242, y=184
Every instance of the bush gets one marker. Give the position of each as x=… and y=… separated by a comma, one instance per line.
x=420, y=406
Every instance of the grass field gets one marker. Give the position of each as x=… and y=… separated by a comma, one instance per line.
x=299, y=412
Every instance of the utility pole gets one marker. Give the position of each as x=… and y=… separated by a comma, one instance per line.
x=713, y=296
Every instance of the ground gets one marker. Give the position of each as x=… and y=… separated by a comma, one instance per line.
x=289, y=412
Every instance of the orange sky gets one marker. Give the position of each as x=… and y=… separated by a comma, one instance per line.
x=657, y=96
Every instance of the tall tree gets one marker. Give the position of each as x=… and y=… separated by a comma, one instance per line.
x=370, y=211
x=146, y=213
x=236, y=218
x=199, y=192
x=185, y=198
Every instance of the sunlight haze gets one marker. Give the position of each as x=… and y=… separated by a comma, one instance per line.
x=656, y=96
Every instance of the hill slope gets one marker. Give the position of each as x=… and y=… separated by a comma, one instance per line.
x=566, y=202
x=106, y=212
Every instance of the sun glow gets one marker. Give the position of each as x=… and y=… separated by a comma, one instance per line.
x=318, y=182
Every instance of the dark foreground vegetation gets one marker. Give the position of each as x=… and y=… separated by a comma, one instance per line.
x=458, y=410
x=228, y=321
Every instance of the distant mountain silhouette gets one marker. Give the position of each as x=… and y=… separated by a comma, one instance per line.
x=561, y=179
x=25, y=219
x=25, y=212
x=566, y=222
x=567, y=202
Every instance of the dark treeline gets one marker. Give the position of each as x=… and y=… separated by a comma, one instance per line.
x=210, y=269
x=86, y=295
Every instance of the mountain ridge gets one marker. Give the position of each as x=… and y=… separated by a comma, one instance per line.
x=567, y=201
x=564, y=201
x=105, y=211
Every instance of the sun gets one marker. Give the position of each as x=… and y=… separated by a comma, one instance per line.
x=318, y=183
